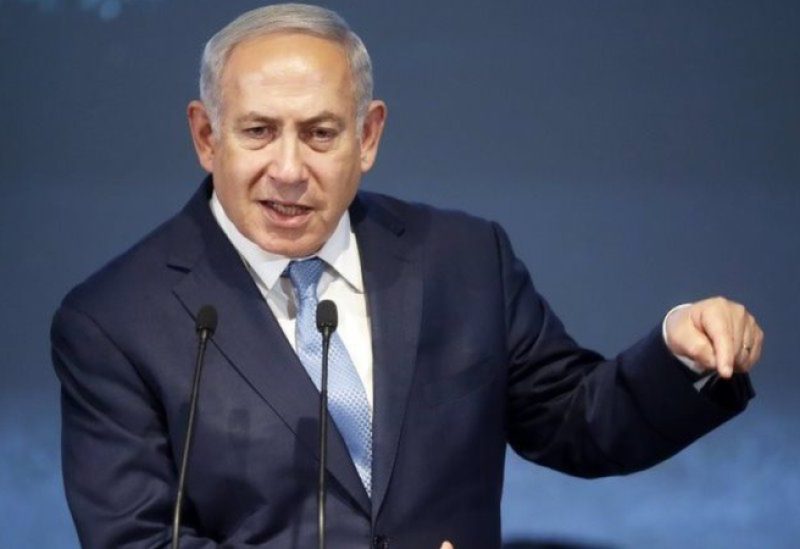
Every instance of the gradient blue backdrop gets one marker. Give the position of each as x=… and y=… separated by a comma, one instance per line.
x=640, y=154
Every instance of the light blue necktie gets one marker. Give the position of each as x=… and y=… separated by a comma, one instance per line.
x=347, y=400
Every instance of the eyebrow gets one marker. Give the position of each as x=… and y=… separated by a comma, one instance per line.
x=324, y=116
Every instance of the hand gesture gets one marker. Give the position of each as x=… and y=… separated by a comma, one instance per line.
x=717, y=334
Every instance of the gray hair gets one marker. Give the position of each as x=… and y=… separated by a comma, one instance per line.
x=301, y=18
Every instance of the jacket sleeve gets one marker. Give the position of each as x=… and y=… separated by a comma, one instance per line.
x=571, y=409
x=119, y=472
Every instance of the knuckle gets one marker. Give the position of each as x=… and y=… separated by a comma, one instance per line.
x=743, y=356
x=697, y=348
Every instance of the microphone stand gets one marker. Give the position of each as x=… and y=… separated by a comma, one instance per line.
x=327, y=320
x=206, y=324
x=323, y=436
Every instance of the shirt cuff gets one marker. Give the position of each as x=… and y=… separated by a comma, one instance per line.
x=685, y=360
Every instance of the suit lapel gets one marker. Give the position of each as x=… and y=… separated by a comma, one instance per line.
x=393, y=283
x=249, y=336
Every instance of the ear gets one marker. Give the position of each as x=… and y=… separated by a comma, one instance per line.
x=371, y=132
x=202, y=134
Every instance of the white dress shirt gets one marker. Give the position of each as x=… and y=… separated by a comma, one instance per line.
x=341, y=282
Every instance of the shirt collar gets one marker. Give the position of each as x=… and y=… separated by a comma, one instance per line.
x=340, y=251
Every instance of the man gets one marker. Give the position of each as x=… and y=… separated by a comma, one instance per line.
x=426, y=397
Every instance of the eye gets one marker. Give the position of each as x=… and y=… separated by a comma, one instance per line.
x=320, y=136
x=324, y=133
x=257, y=132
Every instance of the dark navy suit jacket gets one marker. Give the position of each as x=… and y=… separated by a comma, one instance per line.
x=467, y=357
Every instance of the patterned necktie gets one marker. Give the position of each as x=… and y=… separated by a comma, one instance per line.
x=347, y=400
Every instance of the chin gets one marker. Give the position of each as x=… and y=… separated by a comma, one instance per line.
x=289, y=248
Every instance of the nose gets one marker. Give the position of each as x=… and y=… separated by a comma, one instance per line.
x=287, y=166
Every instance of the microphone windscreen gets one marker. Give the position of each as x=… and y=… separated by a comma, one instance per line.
x=206, y=319
x=327, y=316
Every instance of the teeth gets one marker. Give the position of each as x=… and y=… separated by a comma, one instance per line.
x=287, y=210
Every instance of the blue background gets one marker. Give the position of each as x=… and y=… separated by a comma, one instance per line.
x=640, y=154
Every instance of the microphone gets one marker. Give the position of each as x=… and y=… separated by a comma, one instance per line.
x=205, y=325
x=327, y=320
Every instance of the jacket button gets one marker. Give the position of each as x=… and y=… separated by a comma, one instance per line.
x=380, y=542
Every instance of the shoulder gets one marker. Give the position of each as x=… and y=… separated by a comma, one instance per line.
x=454, y=248
x=136, y=276
x=424, y=220
x=414, y=211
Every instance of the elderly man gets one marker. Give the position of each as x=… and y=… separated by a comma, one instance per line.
x=423, y=397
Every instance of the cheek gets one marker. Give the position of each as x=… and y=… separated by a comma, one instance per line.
x=243, y=165
x=233, y=181
x=340, y=183
x=239, y=171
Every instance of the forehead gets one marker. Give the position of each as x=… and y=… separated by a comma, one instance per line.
x=289, y=67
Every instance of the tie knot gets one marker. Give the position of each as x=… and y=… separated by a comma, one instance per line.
x=305, y=276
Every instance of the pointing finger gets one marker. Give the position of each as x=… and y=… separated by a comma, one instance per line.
x=738, y=320
x=717, y=327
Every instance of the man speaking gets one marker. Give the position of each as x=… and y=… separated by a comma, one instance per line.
x=444, y=352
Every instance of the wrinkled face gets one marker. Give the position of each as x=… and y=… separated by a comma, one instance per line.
x=287, y=157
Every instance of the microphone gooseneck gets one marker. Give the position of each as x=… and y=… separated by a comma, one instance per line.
x=205, y=325
x=327, y=320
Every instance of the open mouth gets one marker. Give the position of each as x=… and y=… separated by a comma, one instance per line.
x=288, y=210
x=286, y=215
